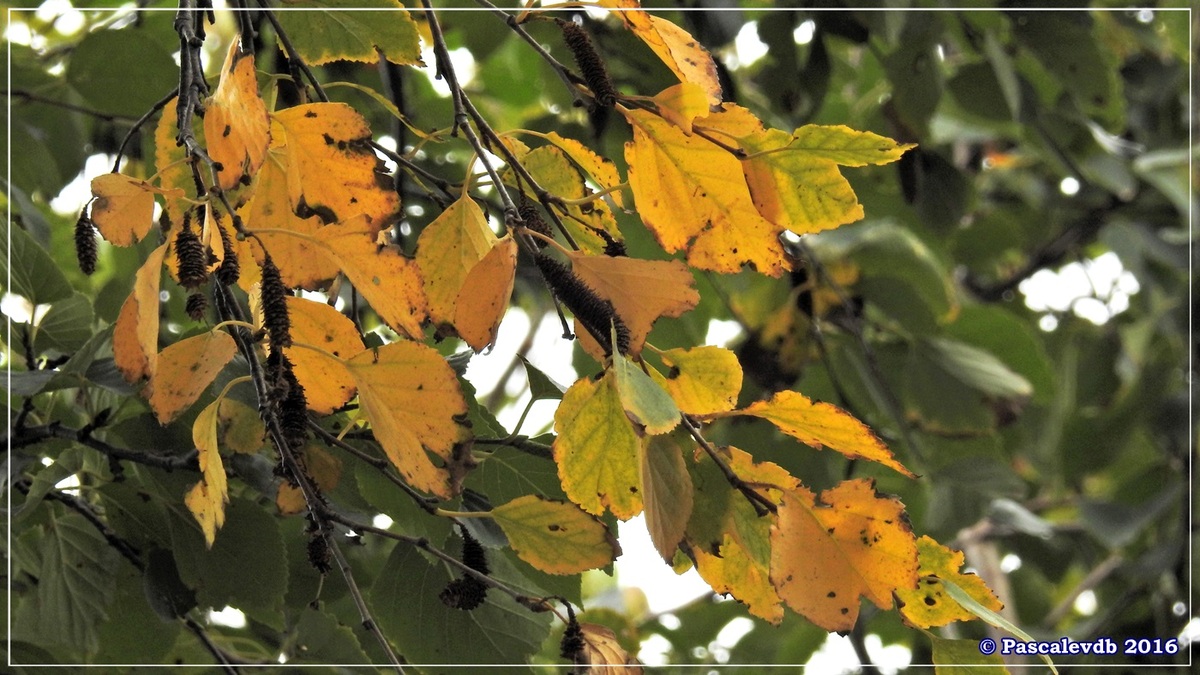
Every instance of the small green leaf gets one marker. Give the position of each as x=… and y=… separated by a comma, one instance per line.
x=972, y=605
x=540, y=384
x=962, y=657
x=644, y=399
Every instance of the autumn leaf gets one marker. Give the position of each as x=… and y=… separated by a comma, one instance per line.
x=239, y=427
x=556, y=174
x=734, y=571
x=173, y=173
x=688, y=188
x=236, y=124
x=411, y=398
x=207, y=499
x=682, y=103
x=468, y=272
x=185, y=369
x=555, y=537
x=323, y=468
x=641, y=291
x=323, y=34
x=135, y=336
x=852, y=543
x=382, y=274
x=602, y=650
x=666, y=493
x=674, y=46
x=327, y=383
x=646, y=403
x=596, y=449
x=929, y=605
x=701, y=380
x=842, y=145
x=600, y=169
x=123, y=207
x=820, y=425
x=332, y=172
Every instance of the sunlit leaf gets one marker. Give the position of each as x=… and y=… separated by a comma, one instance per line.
x=681, y=104
x=173, y=174
x=701, y=380
x=207, y=499
x=185, y=369
x=597, y=449
x=123, y=207
x=644, y=400
x=327, y=383
x=851, y=543
x=732, y=570
x=236, y=124
x=484, y=297
x=135, y=337
x=600, y=169
x=820, y=425
x=846, y=146
x=552, y=169
x=666, y=493
x=929, y=605
x=324, y=32
x=411, y=398
x=555, y=537
x=690, y=61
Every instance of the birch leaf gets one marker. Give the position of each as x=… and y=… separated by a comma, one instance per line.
x=135, y=336
x=701, y=380
x=236, y=124
x=185, y=369
x=327, y=383
x=123, y=207
x=674, y=46
x=929, y=604
x=555, y=537
x=207, y=499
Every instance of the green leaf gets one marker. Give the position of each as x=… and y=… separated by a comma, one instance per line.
x=540, y=384
x=962, y=657
x=977, y=368
x=75, y=586
x=1011, y=340
x=666, y=493
x=643, y=399
x=1065, y=44
x=122, y=72
x=134, y=633
x=555, y=537
x=324, y=34
x=405, y=603
x=320, y=638
x=66, y=326
x=972, y=605
x=34, y=274
x=391, y=501
x=508, y=473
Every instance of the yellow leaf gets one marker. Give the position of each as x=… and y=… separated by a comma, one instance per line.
x=331, y=169
x=688, y=188
x=599, y=169
x=854, y=543
x=484, y=297
x=387, y=279
x=602, y=650
x=173, y=174
x=551, y=168
x=323, y=468
x=640, y=291
x=681, y=104
x=301, y=261
x=468, y=272
x=135, y=336
x=185, y=369
x=236, y=124
x=666, y=493
x=674, y=46
x=844, y=145
x=646, y=403
x=123, y=207
x=240, y=428
x=554, y=536
x=820, y=424
x=732, y=570
x=701, y=380
x=327, y=383
x=207, y=499
x=596, y=449
x=929, y=605
x=411, y=398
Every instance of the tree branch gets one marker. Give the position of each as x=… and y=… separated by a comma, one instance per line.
x=25, y=436
x=33, y=97
x=762, y=505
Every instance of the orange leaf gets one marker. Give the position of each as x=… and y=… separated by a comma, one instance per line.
x=301, y=261
x=327, y=383
x=484, y=297
x=854, y=543
x=640, y=291
x=676, y=47
x=596, y=449
x=602, y=649
x=207, y=499
x=185, y=369
x=929, y=604
x=821, y=424
x=172, y=172
x=135, y=337
x=331, y=169
x=123, y=207
x=411, y=397
x=690, y=188
x=387, y=279
x=236, y=124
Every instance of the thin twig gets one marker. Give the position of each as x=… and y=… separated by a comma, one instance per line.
x=292, y=54
x=429, y=506
x=162, y=103
x=762, y=505
x=25, y=436
x=202, y=635
x=33, y=97
x=559, y=69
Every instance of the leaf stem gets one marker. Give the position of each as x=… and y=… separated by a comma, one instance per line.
x=463, y=514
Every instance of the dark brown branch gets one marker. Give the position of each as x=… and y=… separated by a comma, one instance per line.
x=22, y=437
x=138, y=125
x=762, y=505
x=33, y=97
x=292, y=54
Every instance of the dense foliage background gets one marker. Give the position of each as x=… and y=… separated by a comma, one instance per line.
x=1011, y=317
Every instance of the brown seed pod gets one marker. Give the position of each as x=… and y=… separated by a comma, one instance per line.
x=274, y=306
x=533, y=220
x=591, y=66
x=596, y=314
x=467, y=592
x=196, y=304
x=230, y=268
x=189, y=253
x=288, y=396
x=319, y=555
x=85, y=243
x=571, y=645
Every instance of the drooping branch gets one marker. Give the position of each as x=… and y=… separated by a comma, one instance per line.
x=159, y=105
x=33, y=97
